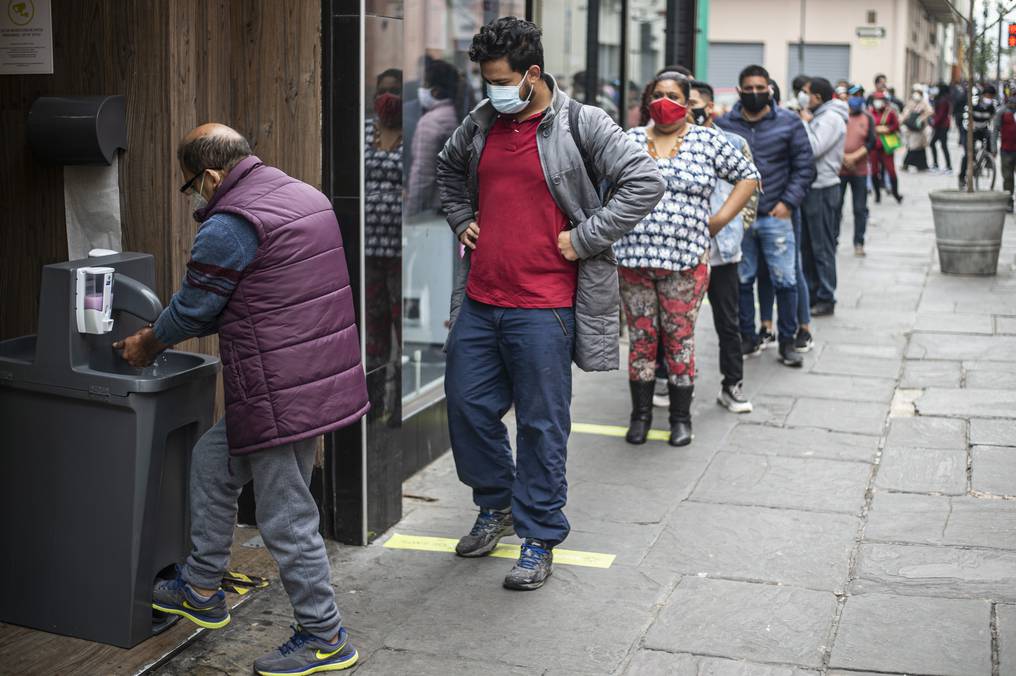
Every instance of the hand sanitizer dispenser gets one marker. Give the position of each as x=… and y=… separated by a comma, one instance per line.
x=93, y=300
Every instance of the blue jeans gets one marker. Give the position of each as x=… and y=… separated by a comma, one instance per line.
x=770, y=240
x=498, y=357
x=859, y=201
x=766, y=295
x=818, y=242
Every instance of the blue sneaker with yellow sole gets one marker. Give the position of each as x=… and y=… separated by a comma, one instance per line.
x=176, y=597
x=305, y=654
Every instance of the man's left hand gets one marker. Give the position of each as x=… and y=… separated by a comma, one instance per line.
x=141, y=349
x=564, y=245
x=806, y=115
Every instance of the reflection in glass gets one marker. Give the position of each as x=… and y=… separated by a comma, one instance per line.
x=646, y=40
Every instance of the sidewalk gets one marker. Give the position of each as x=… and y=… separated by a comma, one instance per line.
x=854, y=522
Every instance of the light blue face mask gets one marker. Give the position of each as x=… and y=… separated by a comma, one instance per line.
x=506, y=99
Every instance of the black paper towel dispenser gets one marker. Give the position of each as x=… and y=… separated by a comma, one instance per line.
x=77, y=129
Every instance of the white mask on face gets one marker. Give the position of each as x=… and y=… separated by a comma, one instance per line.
x=198, y=200
x=804, y=100
x=427, y=100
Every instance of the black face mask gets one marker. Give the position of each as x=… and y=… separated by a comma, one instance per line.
x=700, y=116
x=754, y=102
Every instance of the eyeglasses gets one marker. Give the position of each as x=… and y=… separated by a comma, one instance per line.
x=189, y=184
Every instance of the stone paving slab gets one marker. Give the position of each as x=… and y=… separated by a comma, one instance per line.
x=839, y=363
x=474, y=609
x=985, y=375
x=992, y=432
x=803, y=384
x=801, y=442
x=942, y=520
x=926, y=432
x=968, y=403
x=951, y=322
x=919, y=470
x=949, y=572
x=1006, y=624
x=776, y=481
x=659, y=663
x=856, y=417
x=886, y=633
x=967, y=347
x=768, y=410
x=388, y=662
x=922, y=374
x=1005, y=325
x=804, y=549
x=760, y=622
x=994, y=471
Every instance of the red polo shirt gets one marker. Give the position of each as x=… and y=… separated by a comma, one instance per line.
x=516, y=262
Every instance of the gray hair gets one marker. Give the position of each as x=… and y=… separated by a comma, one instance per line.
x=218, y=150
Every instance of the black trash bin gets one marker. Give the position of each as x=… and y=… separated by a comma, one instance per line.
x=94, y=460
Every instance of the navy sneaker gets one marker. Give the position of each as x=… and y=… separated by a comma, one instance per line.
x=305, y=654
x=535, y=564
x=176, y=597
x=490, y=526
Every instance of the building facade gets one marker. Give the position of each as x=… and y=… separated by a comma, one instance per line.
x=904, y=39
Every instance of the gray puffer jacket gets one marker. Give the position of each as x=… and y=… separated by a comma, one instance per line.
x=636, y=188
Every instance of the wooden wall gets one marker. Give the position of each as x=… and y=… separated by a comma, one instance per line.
x=252, y=64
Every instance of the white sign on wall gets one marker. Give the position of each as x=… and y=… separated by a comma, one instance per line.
x=26, y=37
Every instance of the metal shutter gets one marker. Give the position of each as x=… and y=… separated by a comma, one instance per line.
x=829, y=61
x=728, y=59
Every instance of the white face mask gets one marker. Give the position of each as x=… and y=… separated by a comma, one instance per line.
x=506, y=99
x=916, y=96
x=804, y=100
x=427, y=100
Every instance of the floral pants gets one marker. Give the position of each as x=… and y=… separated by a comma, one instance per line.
x=660, y=300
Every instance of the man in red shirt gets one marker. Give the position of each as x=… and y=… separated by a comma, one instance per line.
x=538, y=288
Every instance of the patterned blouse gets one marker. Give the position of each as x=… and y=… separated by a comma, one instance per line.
x=382, y=207
x=675, y=235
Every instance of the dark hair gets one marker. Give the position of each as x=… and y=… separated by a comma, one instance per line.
x=647, y=94
x=509, y=37
x=880, y=76
x=752, y=71
x=676, y=68
x=797, y=84
x=391, y=72
x=776, y=92
x=703, y=88
x=218, y=150
x=442, y=77
x=989, y=89
x=822, y=87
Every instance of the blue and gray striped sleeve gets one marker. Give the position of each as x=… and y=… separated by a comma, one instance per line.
x=225, y=245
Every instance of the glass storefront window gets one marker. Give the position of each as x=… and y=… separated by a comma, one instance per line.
x=646, y=42
x=441, y=86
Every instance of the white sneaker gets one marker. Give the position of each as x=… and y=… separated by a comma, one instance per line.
x=732, y=399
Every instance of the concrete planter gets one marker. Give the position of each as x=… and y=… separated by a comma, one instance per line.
x=968, y=230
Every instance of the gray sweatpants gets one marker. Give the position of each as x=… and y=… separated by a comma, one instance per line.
x=286, y=514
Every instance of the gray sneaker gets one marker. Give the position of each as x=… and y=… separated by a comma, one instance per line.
x=305, y=654
x=175, y=597
x=733, y=399
x=490, y=526
x=535, y=564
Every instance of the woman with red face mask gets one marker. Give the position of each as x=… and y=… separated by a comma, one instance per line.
x=664, y=267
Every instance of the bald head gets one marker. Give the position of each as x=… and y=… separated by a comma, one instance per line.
x=211, y=146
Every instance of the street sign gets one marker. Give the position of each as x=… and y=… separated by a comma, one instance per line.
x=870, y=32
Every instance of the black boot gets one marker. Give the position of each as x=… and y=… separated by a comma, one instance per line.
x=895, y=183
x=680, y=413
x=641, y=411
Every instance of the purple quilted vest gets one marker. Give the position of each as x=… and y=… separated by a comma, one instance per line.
x=288, y=337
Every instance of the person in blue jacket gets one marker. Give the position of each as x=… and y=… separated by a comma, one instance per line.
x=782, y=153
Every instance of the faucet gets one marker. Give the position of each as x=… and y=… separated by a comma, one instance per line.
x=133, y=297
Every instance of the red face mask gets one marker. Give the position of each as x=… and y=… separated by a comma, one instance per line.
x=388, y=108
x=666, y=112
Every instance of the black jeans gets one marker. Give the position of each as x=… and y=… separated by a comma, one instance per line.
x=859, y=198
x=941, y=137
x=724, y=289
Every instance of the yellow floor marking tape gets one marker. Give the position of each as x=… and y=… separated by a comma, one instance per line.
x=615, y=431
x=430, y=544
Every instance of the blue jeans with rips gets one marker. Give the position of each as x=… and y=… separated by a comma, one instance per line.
x=770, y=240
x=766, y=295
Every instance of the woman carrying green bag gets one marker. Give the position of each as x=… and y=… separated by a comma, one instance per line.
x=887, y=130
